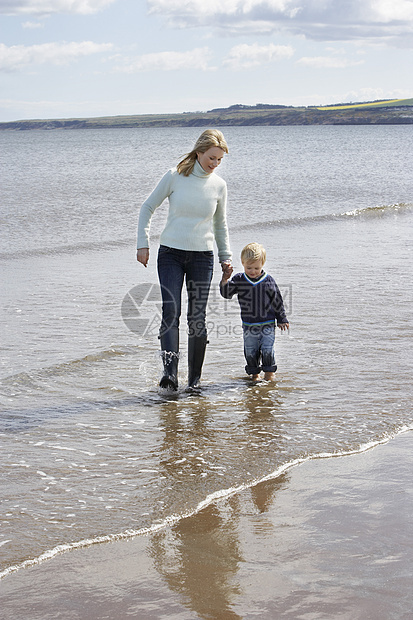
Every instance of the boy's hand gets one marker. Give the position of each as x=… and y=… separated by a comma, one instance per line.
x=283, y=326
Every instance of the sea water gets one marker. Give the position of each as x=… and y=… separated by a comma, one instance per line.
x=91, y=449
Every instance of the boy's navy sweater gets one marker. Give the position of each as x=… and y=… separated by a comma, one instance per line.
x=260, y=299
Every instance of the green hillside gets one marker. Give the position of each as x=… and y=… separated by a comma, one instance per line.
x=389, y=103
x=390, y=112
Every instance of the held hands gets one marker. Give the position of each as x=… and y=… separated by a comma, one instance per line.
x=227, y=271
x=142, y=256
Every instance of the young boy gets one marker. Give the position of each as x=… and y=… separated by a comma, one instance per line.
x=261, y=304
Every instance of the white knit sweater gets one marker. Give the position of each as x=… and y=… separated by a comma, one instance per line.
x=197, y=212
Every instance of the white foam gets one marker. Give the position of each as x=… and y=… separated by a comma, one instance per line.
x=213, y=497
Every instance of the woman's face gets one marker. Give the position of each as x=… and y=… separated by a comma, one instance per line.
x=211, y=158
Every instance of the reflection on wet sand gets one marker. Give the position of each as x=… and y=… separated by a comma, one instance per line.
x=200, y=556
x=330, y=540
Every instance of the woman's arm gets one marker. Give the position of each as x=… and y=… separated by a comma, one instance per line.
x=221, y=227
x=159, y=194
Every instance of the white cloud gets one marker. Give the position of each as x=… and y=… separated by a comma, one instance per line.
x=199, y=9
x=18, y=56
x=374, y=94
x=391, y=10
x=323, y=20
x=246, y=56
x=48, y=7
x=197, y=58
x=328, y=62
x=232, y=16
x=32, y=25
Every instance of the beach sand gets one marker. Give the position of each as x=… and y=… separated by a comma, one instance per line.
x=331, y=538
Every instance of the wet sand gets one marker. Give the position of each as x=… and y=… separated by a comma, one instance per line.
x=329, y=539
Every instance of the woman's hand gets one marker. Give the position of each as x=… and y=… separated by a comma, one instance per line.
x=142, y=256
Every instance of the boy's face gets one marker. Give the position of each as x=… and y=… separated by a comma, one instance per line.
x=253, y=268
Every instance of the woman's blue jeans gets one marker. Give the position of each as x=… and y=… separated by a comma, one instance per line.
x=259, y=348
x=196, y=268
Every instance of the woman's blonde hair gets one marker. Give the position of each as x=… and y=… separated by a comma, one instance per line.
x=207, y=139
x=253, y=252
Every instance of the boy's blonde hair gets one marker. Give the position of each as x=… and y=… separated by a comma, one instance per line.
x=253, y=252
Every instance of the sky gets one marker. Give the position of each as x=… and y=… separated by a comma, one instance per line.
x=90, y=58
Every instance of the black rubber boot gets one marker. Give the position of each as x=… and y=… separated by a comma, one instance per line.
x=196, y=355
x=170, y=357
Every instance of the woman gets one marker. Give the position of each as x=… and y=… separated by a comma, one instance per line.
x=197, y=215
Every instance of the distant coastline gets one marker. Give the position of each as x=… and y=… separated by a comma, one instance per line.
x=389, y=112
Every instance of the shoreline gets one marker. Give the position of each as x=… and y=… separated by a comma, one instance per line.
x=328, y=537
x=170, y=521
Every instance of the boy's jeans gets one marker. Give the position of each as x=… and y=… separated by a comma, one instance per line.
x=259, y=346
x=196, y=268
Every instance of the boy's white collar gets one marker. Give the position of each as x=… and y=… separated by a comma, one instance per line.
x=260, y=279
